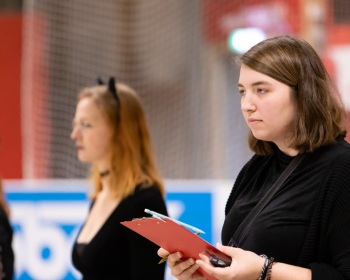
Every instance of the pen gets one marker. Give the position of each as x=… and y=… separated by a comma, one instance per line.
x=157, y=215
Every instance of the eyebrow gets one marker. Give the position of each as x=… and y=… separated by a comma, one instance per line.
x=80, y=120
x=256, y=83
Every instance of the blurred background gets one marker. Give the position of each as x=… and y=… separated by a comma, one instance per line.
x=178, y=55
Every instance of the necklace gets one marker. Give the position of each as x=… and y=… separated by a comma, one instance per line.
x=104, y=173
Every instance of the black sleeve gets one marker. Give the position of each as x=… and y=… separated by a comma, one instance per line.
x=337, y=237
x=143, y=253
x=6, y=252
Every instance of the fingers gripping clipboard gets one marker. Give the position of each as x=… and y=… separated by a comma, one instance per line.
x=175, y=238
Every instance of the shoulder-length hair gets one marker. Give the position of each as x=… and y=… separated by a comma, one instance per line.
x=320, y=116
x=132, y=159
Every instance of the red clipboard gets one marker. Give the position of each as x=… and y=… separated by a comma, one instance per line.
x=175, y=238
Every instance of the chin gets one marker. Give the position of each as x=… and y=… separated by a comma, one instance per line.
x=261, y=137
x=83, y=159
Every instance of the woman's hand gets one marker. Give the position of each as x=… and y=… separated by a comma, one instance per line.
x=245, y=265
x=181, y=269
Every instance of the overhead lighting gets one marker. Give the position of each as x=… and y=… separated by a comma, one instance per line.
x=242, y=39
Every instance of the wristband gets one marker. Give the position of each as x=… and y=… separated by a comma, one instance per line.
x=264, y=268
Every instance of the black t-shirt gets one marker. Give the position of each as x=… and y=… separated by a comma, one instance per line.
x=116, y=252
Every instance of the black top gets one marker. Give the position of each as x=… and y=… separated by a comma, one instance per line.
x=6, y=252
x=307, y=223
x=116, y=252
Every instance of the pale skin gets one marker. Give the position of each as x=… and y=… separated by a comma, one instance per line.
x=88, y=125
x=268, y=109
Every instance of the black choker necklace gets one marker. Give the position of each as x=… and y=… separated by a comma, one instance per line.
x=104, y=173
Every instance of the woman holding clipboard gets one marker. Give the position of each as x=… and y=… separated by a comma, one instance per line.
x=301, y=231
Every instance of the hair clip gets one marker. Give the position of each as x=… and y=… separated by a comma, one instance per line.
x=111, y=88
x=100, y=81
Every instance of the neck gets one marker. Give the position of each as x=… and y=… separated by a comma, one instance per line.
x=288, y=151
x=284, y=146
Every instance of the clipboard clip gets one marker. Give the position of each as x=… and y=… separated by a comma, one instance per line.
x=145, y=218
x=159, y=216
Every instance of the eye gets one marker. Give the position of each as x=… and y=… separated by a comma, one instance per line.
x=261, y=90
x=241, y=91
x=81, y=124
x=85, y=124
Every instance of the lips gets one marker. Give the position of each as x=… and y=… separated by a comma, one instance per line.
x=253, y=120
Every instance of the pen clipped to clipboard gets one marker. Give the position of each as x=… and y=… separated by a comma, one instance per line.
x=175, y=236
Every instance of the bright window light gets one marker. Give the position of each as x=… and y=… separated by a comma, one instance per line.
x=242, y=39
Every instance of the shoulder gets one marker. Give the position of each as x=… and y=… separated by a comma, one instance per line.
x=340, y=146
x=147, y=191
x=148, y=197
x=332, y=163
x=328, y=165
x=339, y=163
x=330, y=157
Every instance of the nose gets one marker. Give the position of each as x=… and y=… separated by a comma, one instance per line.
x=248, y=103
x=74, y=133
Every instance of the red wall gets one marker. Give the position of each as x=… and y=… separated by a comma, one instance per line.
x=10, y=111
x=214, y=12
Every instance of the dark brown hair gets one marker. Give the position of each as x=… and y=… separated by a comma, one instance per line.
x=320, y=113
